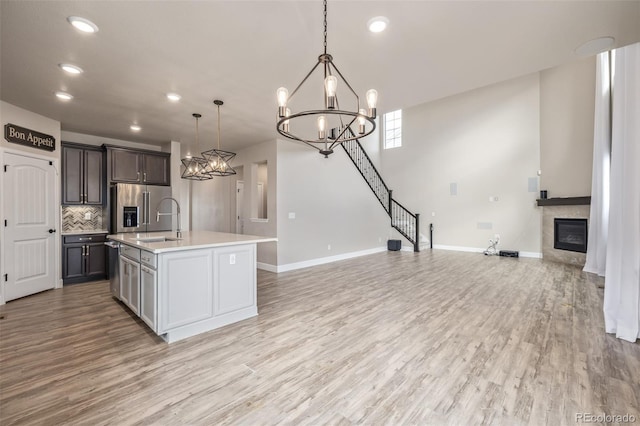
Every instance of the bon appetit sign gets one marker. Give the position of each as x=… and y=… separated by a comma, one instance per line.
x=22, y=136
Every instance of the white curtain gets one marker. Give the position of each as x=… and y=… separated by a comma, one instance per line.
x=622, y=280
x=599, y=215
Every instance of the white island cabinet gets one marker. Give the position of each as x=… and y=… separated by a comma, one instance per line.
x=187, y=286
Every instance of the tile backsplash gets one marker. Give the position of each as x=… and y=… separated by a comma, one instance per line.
x=83, y=218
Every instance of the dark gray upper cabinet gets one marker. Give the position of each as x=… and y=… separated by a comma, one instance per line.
x=83, y=180
x=125, y=166
x=155, y=169
x=131, y=166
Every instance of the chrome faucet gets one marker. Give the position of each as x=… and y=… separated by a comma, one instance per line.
x=158, y=214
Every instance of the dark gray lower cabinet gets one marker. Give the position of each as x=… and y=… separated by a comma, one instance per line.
x=84, y=258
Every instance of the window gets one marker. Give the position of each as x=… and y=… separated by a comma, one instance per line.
x=393, y=129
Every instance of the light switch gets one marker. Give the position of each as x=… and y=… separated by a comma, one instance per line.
x=292, y=215
x=232, y=259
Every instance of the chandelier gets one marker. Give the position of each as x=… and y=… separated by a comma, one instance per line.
x=194, y=167
x=333, y=124
x=218, y=162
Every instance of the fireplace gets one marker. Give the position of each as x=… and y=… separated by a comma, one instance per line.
x=570, y=234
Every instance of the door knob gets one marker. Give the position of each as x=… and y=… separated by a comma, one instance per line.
x=51, y=231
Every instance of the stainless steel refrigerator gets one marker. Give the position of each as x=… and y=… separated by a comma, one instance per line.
x=134, y=208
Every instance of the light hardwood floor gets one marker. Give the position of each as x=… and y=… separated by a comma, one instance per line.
x=392, y=338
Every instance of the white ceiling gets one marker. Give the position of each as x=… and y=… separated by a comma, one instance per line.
x=242, y=51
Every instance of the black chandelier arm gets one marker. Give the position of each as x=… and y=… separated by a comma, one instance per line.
x=348, y=85
x=344, y=128
x=352, y=136
x=280, y=125
x=305, y=79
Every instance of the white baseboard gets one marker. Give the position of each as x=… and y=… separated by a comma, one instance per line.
x=267, y=267
x=323, y=260
x=329, y=259
x=481, y=250
x=459, y=248
x=532, y=254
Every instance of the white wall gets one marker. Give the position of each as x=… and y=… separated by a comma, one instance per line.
x=99, y=141
x=213, y=201
x=23, y=118
x=332, y=205
x=210, y=204
x=247, y=159
x=487, y=143
x=567, y=103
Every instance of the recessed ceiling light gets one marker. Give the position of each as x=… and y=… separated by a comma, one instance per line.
x=174, y=97
x=596, y=46
x=83, y=24
x=135, y=128
x=64, y=96
x=71, y=69
x=377, y=24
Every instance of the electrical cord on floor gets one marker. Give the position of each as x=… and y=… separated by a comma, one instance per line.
x=492, y=250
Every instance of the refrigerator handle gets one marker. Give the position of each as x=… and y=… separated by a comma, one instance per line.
x=145, y=208
x=148, y=208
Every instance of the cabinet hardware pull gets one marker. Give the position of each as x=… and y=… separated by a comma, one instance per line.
x=144, y=176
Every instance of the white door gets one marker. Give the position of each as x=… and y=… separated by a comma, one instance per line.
x=29, y=211
x=239, y=207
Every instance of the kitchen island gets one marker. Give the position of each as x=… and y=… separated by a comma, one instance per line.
x=184, y=286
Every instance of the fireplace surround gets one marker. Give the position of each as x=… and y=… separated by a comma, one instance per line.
x=568, y=208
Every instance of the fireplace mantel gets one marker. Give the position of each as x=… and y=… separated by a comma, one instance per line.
x=564, y=201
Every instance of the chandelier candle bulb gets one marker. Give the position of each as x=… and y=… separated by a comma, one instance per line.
x=330, y=85
x=322, y=127
x=283, y=95
x=372, y=100
x=361, y=121
x=285, y=125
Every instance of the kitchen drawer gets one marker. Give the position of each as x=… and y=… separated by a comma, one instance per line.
x=84, y=238
x=147, y=258
x=130, y=252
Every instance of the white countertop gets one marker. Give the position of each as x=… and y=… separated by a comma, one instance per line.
x=190, y=240
x=85, y=232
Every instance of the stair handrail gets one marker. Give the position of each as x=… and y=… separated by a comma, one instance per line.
x=355, y=145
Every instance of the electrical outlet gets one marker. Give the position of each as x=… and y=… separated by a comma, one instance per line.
x=329, y=247
x=433, y=214
x=497, y=237
x=87, y=216
x=292, y=215
x=232, y=259
x=379, y=239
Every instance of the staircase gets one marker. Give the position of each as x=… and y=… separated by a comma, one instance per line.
x=402, y=220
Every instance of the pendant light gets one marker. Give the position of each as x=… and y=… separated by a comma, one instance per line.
x=194, y=167
x=218, y=162
x=333, y=124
